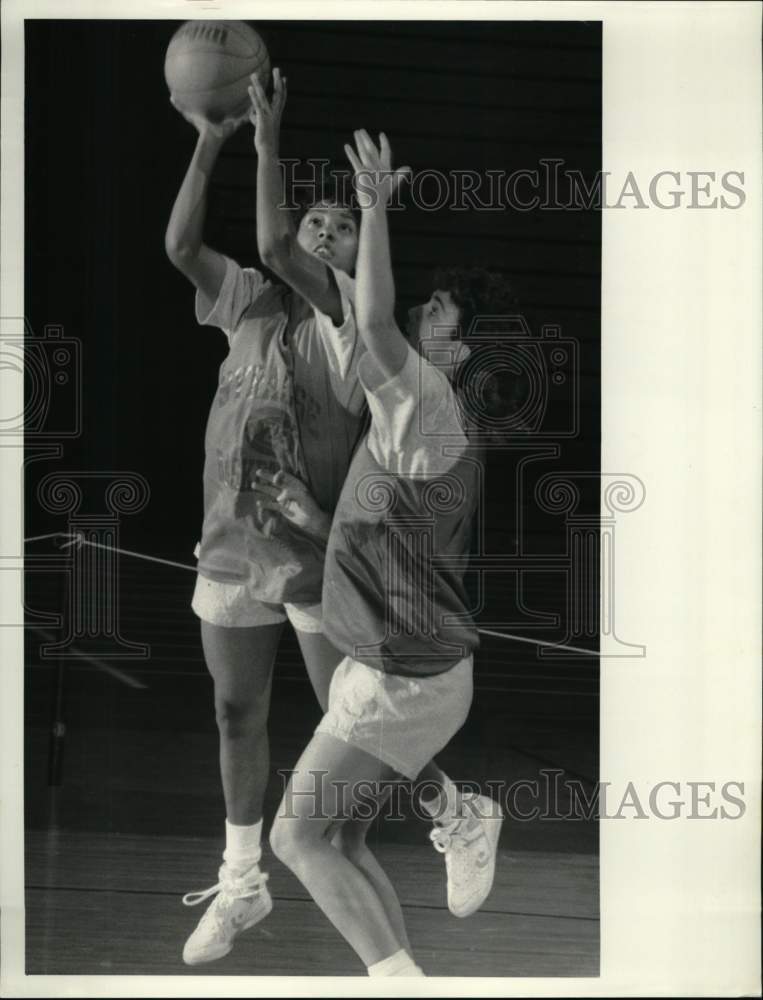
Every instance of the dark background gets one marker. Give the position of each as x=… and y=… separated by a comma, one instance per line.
x=105, y=154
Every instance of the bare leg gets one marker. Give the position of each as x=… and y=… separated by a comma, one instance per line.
x=431, y=787
x=431, y=772
x=323, y=789
x=350, y=839
x=240, y=661
x=321, y=660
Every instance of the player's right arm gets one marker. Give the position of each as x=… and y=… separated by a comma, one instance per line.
x=276, y=235
x=184, y=237
x=375, y=182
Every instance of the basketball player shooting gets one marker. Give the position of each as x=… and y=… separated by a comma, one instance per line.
x=292, y=352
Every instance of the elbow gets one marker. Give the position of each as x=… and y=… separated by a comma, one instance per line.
x=268, y=256
x=178, y=250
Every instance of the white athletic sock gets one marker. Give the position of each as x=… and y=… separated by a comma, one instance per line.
x=446, y=804
x=242, y=845
x=399, y=964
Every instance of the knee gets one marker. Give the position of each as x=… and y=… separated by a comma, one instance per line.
x=350, y=841
x=288, y=841
x=238, y=718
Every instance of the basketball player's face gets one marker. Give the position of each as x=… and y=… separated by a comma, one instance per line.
x=329, y=232
x=436, y=324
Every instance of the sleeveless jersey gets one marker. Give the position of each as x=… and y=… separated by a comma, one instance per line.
x=287, y=398
x=393, y=592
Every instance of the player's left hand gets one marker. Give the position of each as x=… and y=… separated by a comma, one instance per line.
x=289, y=497
x=375, y=180
x=265, y=115
x=219, y=131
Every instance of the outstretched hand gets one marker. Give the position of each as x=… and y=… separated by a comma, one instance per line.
x=288, y=496
x=218, y=130
x=265, y=115
x=375, y=180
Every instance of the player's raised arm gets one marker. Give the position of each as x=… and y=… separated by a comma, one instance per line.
x=276, y=235
x=375, y=288
x=184, y=237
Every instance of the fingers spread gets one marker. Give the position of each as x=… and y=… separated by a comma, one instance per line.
x=366, y=147
x=256, y=103
x=361, y=144
x=286, y=479
x=257, y=94
x=280, y=487
x=268, y=477
x=263, y=490
x=357, y=166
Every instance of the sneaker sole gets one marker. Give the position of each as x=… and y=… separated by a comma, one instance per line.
x=227, y=949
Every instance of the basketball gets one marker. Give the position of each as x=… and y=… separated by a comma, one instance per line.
x=208, y=65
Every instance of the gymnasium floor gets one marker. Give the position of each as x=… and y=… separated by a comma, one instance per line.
x=136, y=822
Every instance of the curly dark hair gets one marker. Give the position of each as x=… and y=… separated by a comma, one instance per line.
x=477, y=292
x=487, y=386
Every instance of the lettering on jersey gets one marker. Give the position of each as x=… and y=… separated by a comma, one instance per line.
x=247, y=383
x=269, y=440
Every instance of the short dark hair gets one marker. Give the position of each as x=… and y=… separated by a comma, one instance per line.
x=477, y=292
x=330, y=194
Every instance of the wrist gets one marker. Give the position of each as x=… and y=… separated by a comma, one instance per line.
x=377, y=209
x=210, y=137
x=267, y=149
x=208, y=147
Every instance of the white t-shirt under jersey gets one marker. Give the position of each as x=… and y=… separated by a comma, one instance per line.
x=416, y=429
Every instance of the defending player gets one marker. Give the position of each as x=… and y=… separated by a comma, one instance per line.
x=393, y=597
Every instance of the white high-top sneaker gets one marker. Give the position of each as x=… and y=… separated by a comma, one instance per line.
x=241, y=901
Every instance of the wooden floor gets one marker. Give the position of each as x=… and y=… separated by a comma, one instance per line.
x=107, y=904
x=136, y=820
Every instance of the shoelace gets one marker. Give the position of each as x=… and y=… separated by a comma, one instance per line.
x=443, y=835
x=231, y=884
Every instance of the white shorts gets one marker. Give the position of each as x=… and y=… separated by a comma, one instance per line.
x=232, y=606
x=403, y=721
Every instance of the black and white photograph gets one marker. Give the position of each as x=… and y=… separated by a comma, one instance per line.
x=359, y=611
